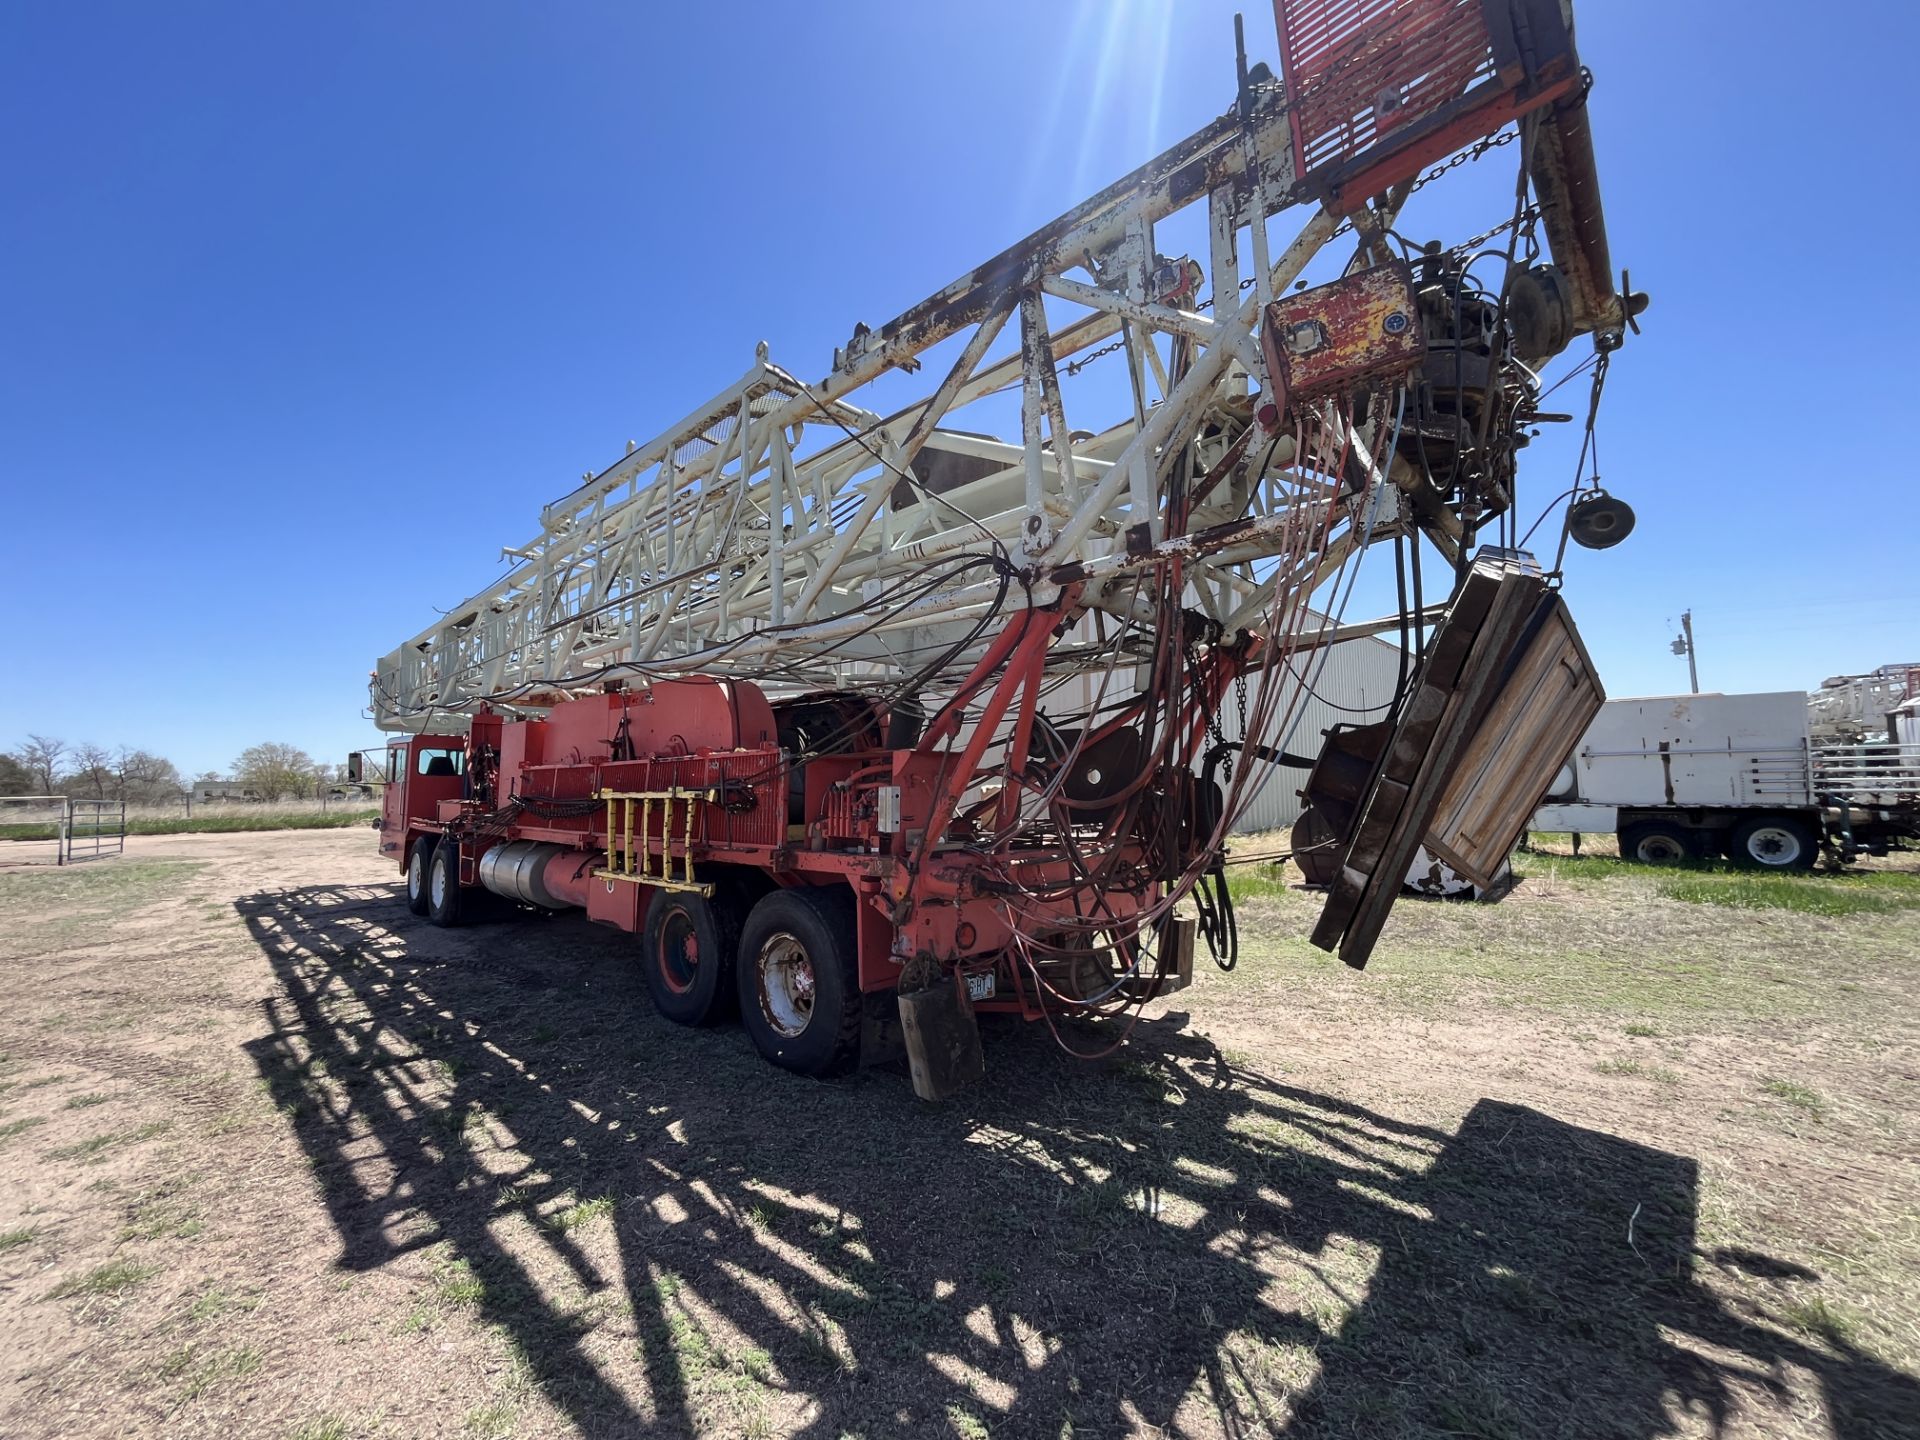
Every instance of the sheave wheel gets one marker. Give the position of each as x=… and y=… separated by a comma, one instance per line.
x=1774, y=842
x=798, y=982
x=418, y=859
x=445, y=902
x=1658, y=842
x=687, y=949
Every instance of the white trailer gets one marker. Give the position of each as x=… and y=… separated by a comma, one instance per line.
x=1684, y=777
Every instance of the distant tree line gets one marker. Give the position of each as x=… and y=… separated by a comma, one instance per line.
x=47, y=765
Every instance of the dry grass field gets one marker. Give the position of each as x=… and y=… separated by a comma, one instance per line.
x=1629, y=1155
x=28, y=825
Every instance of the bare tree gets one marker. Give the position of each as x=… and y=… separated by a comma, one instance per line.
x=275, y=770
x=92, y=774
x=41, y=757
x=14, y=777
x=143, y=778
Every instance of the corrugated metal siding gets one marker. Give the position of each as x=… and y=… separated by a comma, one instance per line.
x=1359, y=675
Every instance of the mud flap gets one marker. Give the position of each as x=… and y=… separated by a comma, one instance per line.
x=943, y=1039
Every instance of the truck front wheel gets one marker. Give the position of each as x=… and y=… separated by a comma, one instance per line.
x=1658, y=842
x=1772, y=842
x=799, y=981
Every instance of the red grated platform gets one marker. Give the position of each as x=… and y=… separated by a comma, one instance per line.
x=1358, y=69
x=1378, y=87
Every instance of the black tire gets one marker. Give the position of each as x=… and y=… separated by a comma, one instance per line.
x=798, y=979
x=418, y=859
x=446, y=902
x=1773, y=842
x=687, y=949
x=1659, y=842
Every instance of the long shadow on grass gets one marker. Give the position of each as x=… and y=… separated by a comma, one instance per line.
x=1169, y=1240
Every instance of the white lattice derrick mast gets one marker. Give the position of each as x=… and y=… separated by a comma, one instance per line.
x=785, y=532
x=784, y=520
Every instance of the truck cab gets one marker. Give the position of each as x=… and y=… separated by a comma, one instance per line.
x=424, y=771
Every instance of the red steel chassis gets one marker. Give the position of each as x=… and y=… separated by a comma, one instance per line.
x=714, y=746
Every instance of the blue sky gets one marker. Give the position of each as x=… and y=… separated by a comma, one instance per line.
x=308, y=308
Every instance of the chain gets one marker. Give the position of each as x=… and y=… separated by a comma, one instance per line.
x=1214, y=728
x=1074, y=367
x=1471, y=153
x=1240, y=706
x=1467, y=156
x=1525, y=217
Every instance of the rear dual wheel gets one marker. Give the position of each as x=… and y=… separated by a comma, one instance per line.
x=1769, y=842
x=688, y=948
x=1772, y=842
x=788, y=962
x=798, y=979
x=446, y=901
x=1659, y=842
x=419, y=858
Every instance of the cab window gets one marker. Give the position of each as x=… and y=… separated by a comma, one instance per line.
x=440, y=762
x=396, y=763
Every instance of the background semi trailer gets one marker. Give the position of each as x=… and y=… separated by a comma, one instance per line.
x=865, y=720
x=1685, y=777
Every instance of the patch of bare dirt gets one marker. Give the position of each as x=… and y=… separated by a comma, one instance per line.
x=281, y=1159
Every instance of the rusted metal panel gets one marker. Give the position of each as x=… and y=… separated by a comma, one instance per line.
x=1361, y=69
x=1321, y=341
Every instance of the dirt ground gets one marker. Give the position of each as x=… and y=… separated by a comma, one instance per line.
x=282, y=1160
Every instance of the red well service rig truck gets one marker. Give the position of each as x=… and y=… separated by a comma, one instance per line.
x=864, y=722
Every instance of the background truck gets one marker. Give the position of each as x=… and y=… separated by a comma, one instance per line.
x=1685, y=777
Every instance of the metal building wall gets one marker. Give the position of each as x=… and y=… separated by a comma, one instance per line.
x=1360, y=675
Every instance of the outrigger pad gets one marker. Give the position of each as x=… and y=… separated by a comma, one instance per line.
x=1500, y=702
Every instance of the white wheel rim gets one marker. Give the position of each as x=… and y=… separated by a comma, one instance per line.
x=1659, y=850
x=786, y=985
x=1773, y=845
x=415, y=880
x=439, y=885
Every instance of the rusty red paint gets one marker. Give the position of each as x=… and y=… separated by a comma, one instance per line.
x=1381, y=88
x=1321, y=341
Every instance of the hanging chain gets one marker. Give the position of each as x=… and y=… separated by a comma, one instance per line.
x=1467, y=156
x=1074, y=367
x=1240, y=708
x=1524, y=219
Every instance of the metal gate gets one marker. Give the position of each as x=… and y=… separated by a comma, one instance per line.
x=93, y=829
x=39, y=828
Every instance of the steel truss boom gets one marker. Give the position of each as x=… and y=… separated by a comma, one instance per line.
x=784, y=531
x=774, y=520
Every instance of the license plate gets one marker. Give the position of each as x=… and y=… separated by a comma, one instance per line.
x=980, y=985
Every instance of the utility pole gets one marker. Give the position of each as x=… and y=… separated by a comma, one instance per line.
x=1683, y=645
